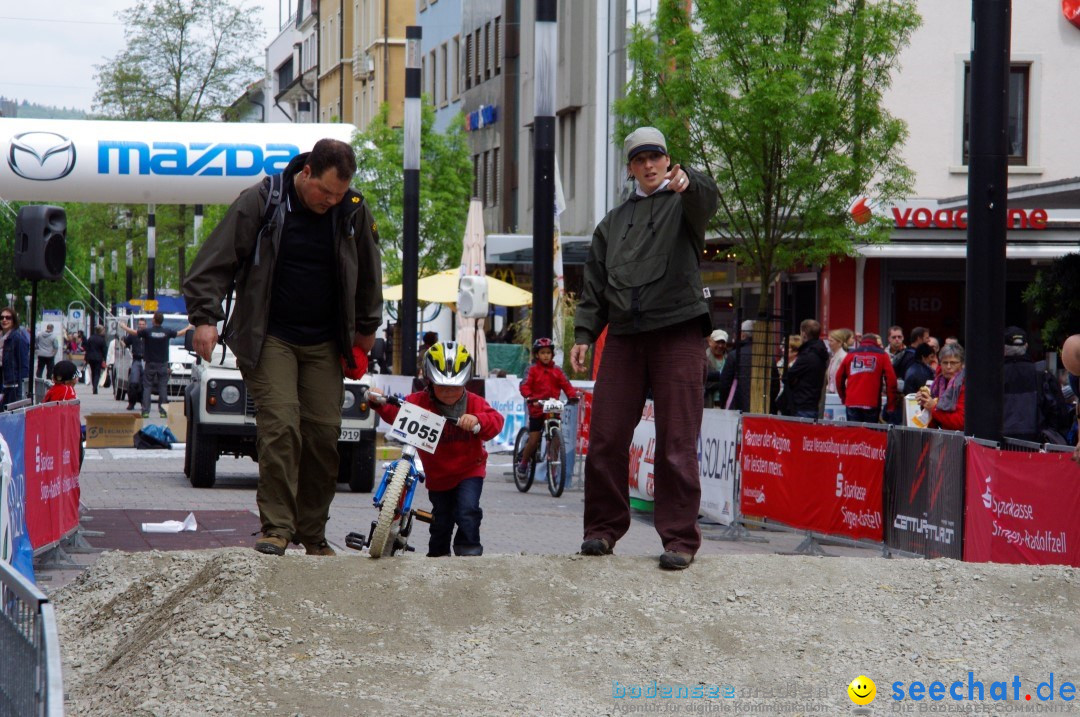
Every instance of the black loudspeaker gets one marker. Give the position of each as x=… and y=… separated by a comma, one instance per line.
x=40, y=242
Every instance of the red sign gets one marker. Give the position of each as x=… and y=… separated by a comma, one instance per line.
x=822, y=478
x=51, y=460
x=1021, y=507
x=583, y=423
x=925, y=218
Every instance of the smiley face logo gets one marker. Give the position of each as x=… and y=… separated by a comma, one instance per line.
x=862, y=690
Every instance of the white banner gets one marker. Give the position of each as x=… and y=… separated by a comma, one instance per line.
x=399, y=386
x=718, y=463
x=503, y=395
x=642, y=455
x=147, y=162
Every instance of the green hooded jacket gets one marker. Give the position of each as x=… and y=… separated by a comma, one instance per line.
x=235, y=246
x=642, y=272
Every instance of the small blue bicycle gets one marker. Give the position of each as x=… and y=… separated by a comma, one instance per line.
x=389, y=532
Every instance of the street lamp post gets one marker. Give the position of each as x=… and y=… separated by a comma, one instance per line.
x=544, y=165
x=410, y=227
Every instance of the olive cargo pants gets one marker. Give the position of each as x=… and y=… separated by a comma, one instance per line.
x=297, y=392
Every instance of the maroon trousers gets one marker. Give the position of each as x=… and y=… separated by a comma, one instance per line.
x=671, y=362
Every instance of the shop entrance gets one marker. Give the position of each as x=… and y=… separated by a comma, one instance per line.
x=937, y=305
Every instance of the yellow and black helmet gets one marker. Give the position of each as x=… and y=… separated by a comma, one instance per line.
x=448, y=363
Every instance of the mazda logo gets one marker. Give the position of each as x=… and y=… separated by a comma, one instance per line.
x=41, y=156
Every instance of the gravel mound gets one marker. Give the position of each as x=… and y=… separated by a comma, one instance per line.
x=237, y=633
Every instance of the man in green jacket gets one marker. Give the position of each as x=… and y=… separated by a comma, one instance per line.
x=642, y=282
x=309, y=288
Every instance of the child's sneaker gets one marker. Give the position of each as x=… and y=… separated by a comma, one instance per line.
x=521, y=470
x=163, y=413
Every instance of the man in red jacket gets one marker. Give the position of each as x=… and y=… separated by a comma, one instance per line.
x=543, y=379
x=455, y=471
x=859, y=381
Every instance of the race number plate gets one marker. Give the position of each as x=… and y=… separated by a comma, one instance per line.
x=349, y=435
x=417, y=427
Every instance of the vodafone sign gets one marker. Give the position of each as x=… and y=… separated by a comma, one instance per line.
x=147, y=162
x=924, y=218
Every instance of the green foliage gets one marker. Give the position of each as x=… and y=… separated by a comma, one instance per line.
x=1053, y=297
x=32, y=110
x=781, y=103
x=184, y=60
x=523, y=335
x=445, y=184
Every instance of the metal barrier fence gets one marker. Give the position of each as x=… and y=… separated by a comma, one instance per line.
x=30, y=679
x=1020, y=446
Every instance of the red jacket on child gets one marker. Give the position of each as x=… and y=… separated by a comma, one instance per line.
x=59, y=392
x=460, y=454
x=544, y=382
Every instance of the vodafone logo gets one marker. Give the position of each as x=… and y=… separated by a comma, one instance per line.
x=41, y=156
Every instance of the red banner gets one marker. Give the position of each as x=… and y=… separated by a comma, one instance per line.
x=583, y=422
x=51, y=460
x=814, y=477
x=1021, y=507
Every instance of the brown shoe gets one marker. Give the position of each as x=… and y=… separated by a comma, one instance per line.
x=596, y=546
x=671, y=560
x=319, y=548
x=271, y=544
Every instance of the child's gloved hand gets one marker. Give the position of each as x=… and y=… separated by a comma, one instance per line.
x=375, y=397
x=468, y=422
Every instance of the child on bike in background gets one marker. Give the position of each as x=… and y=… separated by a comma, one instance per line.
x=542, y=380
x=455, y=472
x=65, y=374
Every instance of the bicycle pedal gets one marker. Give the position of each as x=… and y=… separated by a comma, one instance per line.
x=410, y=548
x=422, y=515
x=356, y=541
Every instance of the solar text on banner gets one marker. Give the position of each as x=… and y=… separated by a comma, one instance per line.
x=51, y=458
x=1021, y=507
x=813, y=477
x=924, y=492
x=718, y=463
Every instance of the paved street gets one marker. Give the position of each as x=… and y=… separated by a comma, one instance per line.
x=126, y=479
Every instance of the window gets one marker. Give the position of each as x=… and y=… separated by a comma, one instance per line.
x=477, y=62
x=487, y=51
x=443, y=80
x=476, y=175
x=433, y=78
x=498, y=45
x=567, y=144
x=284, y=74
x=495, y=173
x=487, y=179
x=468, y=63
x=455, y=85
x=1018, y=113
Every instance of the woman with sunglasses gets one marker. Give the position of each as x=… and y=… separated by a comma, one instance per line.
x=14, y=356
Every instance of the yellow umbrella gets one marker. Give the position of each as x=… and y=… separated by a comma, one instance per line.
x=442, y=288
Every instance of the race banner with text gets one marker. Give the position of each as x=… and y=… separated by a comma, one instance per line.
x=642, y=455
x=813, y=477
x=1021, y=507
x=51, y=462
x=718, y=463
x=924, y=492
x=504, y=395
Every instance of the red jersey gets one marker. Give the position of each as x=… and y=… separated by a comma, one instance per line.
x=859, y=380
x=59, y=392
x=544, y=382
x=460, y=454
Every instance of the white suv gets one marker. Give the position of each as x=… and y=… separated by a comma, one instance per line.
x=180, y=360
x=221, y=420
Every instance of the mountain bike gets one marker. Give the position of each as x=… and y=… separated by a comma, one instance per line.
x=390, y=531
x=551, y=448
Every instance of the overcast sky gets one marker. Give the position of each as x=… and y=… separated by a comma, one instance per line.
x=48, y=48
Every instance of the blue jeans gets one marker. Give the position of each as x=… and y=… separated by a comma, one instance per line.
x=461, y=506
x=863, y=415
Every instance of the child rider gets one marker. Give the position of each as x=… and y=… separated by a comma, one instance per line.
x=542, y=380
x=455, y=472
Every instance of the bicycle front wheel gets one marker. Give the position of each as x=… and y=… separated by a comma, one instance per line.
x=523, y=481
x=384, y=535
x=556, y=466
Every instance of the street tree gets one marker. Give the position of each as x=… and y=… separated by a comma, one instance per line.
x=1052, y=296
x=445, y=185
x=183, y=61
x=781, y=103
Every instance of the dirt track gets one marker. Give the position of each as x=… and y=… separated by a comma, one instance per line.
x=234, y=632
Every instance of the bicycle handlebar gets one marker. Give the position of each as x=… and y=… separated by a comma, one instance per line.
x=395, y=401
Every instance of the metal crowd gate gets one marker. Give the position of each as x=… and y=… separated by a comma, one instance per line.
x=30, y=678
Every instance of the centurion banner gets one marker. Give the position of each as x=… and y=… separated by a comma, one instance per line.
x=147, y=162
x=924, y=492
x=1021, y=507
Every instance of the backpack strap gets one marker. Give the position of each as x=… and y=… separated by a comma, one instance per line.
x=275, y=191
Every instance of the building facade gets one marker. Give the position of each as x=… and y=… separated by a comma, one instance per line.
x=378, y=52
x=440, y=48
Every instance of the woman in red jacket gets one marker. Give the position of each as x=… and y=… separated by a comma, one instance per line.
x=455, y=471
x=945, y=399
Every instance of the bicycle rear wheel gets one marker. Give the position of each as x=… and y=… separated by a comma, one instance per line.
x=556, y=466
x=384, y=535
x=523, y=482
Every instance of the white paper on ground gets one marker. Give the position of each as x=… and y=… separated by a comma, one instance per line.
x=172, y=526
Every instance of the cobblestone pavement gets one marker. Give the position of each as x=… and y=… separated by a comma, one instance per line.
x=514, y=522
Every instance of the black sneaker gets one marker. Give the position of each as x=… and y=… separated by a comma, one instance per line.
x=671, y=560
x=146, y=414
x=163, y=413
x=595, y=546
